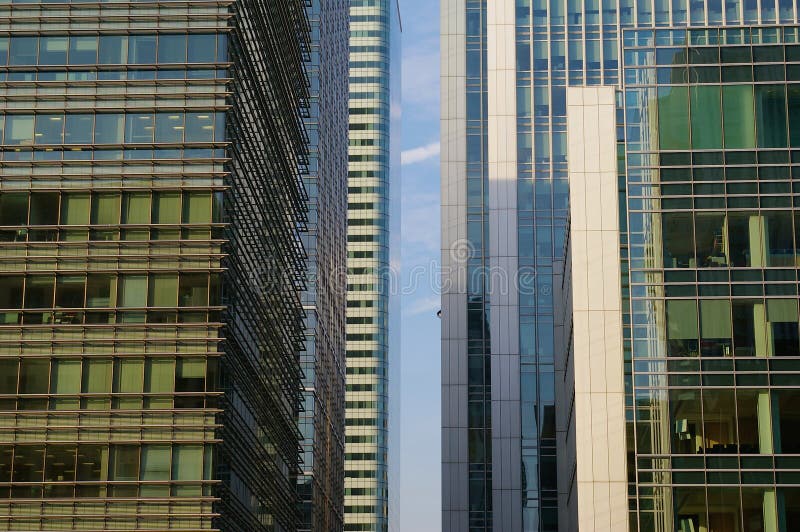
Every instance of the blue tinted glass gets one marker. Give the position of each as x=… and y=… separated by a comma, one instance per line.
x=78, y=129
x=49, y=129
x=172, y=48
x=22, y=51
x=53, y=50
x=108, y=128
x=142, y=49
x=82, y=50
x=199, y=127
x=113, y=49
x=139, y=127
x=19, y=130
x=202, y=48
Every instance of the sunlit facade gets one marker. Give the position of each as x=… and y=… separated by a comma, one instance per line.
x=151, y=210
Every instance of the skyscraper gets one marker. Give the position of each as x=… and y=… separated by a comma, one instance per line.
x=151, y=213
x=506, y=143
x=372, y=213
x=680, y=364
x=323, y=359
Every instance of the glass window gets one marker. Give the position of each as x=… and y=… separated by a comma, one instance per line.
x=39, y=291
x=197, y=207
x=109, y=128
x=682, y=327
x=711, y=240
x=82, y=50
x=19, y=130
x=167, y=207
x=14, y=208
x=771, y=116
x=169, y=127
x=678, y=241
x=139, y=127
x=66, y=376
x=3, y=50
x=715, y=327
x=783, y=318
x=60, y=463
x=142, y=49
x=105, y=209
x=113, y=49
x=202, y=48
x=191, y=375
x=787, y=404
x=133, y=290
x=171, y=48
x=746, y=235
x=156, y=462
x=78, y=129
x=75, y=209
x=719, y=421
x=53, y=50
x=129, y=377
x=706, y=117
x=23, y=50
x=780, y=239
x=92, y=463
x=793, y=91
x=101, y=290
x=96, y=375
x=750, y=328
x=9, y=369
x=49, y=129
x=193, y=291
x=70, y=290
x=200, y=127
x=124, y=463
x=34, y=375
x=686, y=421
x=28, y=463
x=159, y=375
x=738, y=112
x=11, y=289
x=163, y=290
x=673, y=118
x=187, y=462
x=136, y=208
x=44, y=208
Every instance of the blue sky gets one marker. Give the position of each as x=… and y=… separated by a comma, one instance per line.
x=420, y=365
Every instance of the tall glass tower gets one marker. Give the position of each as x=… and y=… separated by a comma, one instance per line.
x=374, y=39
x=507, y=153
x=151, y=213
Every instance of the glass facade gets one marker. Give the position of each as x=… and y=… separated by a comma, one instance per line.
x=151, y=264
x=374, y=34
x=710, y=245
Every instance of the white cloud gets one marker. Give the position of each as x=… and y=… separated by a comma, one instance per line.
x=420, y=153
x=425, y=305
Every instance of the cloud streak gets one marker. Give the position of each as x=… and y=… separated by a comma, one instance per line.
x=420, y=153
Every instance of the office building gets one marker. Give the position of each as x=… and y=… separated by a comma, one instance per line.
x=323, y=359
x=151, y=212
x=680, y=403
x=373, y=222
x=507, y=150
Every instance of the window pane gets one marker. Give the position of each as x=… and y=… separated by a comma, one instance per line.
x=711, y=238
x=113, y=49
x=163, y=290
x=75, y=209
x=167, y=208
x=197, y=208
x=771, y=115
x=78, y=129
x=92, y=463
x=22, y=50
x=673, y=118
x=28, y=463
x=139, y=128
x=11, y=289
x=82, y=50
x=202, y=48
x=19, y=130
x=109, y=128
x=787, y=404
x=171, y=48
x=719, y=421
x=780, y=239
x=794, y=110
x=9, y=369
x=60, y=463
x=169, y=127
x=193, y=290
x=686, y=421
x=156, y=462
x=130, y=375
x=66, y=377
x=136, y=208
x=124, y=462
x=14, y=208
x=96, y=375
x=706, y=117
x=49, y=129
x=53, y=50
x=678, y=242
x=105, y=209
x=187, y=462
x=191, y=375
x=682, y=327
x=159, y=376
x=101, y=290
x=142, y=49
x=199, y=127
x=44, y=208
x=69, y=291
x=34, y=375
x=715, y=328
x=133, y=290
x=738, y=114
x=39, y=291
